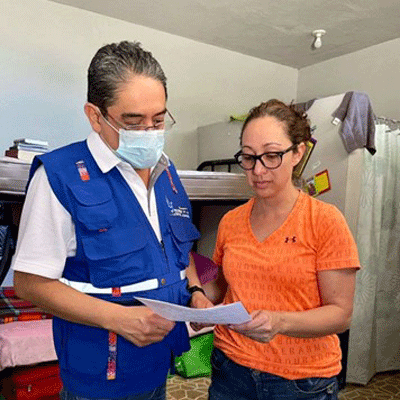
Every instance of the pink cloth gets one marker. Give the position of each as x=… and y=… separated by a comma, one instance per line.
x=26, y=343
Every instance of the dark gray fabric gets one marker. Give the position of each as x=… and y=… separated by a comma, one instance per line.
x=6, y=250
x=358, y=126
x=304, y=106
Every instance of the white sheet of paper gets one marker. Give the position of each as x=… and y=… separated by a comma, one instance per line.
x=234, y=313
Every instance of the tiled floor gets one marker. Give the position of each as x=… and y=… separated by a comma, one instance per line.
x=187, y=389
x=384, y=386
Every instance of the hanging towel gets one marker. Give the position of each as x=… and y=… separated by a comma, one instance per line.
x=358, y=127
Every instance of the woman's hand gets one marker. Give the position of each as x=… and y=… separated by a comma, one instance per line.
x=199, y=300
x=263, y=327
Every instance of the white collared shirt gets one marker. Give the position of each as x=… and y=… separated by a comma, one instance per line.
x=46, y=235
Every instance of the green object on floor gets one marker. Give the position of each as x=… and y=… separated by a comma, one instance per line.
x=196, y=361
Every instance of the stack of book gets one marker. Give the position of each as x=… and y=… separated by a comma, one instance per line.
x=26, y=149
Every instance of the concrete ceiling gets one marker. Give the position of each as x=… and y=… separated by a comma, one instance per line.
x=274, y=30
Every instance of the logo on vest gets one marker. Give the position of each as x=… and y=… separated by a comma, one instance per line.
x=83, y=172
x=290, y=239
x=177, y=211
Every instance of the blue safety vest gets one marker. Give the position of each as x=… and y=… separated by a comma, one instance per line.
x=116, y=246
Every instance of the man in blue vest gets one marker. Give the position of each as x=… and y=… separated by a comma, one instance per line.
x=105, y=220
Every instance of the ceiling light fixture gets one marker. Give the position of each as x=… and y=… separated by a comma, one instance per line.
x=317, y=43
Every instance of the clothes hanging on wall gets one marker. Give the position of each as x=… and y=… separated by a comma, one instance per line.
x=358, y=125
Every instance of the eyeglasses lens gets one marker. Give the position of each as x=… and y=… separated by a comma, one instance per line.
x=167, y=125
x=270, y=161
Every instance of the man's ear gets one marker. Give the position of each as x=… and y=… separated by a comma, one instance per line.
x=93, y=114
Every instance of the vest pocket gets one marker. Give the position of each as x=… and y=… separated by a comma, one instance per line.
x=152, y=358
x=95, y=207
x=131, y=359
x=85, y=350
x=118, y=257
x=184, y=233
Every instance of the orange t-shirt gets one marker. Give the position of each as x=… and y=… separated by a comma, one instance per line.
x=280, y=274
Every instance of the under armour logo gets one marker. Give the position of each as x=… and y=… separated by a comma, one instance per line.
x=290, y=239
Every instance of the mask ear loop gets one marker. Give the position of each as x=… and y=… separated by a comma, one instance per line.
x=108, y=122
x=113, y=127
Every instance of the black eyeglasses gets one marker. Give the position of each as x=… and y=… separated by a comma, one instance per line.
x=269, y=160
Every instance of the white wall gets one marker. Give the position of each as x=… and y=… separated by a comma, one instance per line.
x=45, y=50
x=374, y=70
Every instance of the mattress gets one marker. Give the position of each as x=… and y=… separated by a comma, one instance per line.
x=212, y=185
x=13, y=175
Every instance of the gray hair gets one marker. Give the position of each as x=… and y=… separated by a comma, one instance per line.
x=114, y=64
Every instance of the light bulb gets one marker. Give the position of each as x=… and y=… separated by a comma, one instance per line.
x=317, y=42
x=318, y=33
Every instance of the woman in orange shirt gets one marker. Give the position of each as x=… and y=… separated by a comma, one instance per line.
x=291, y=260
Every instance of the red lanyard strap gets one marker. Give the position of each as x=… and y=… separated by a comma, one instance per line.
x=112, y=345
x=171, y=181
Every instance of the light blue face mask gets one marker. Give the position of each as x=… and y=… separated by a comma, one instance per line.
x=142, y=149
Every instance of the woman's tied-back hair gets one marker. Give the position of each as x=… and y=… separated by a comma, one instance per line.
x=113, y=65
x=296, y=122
